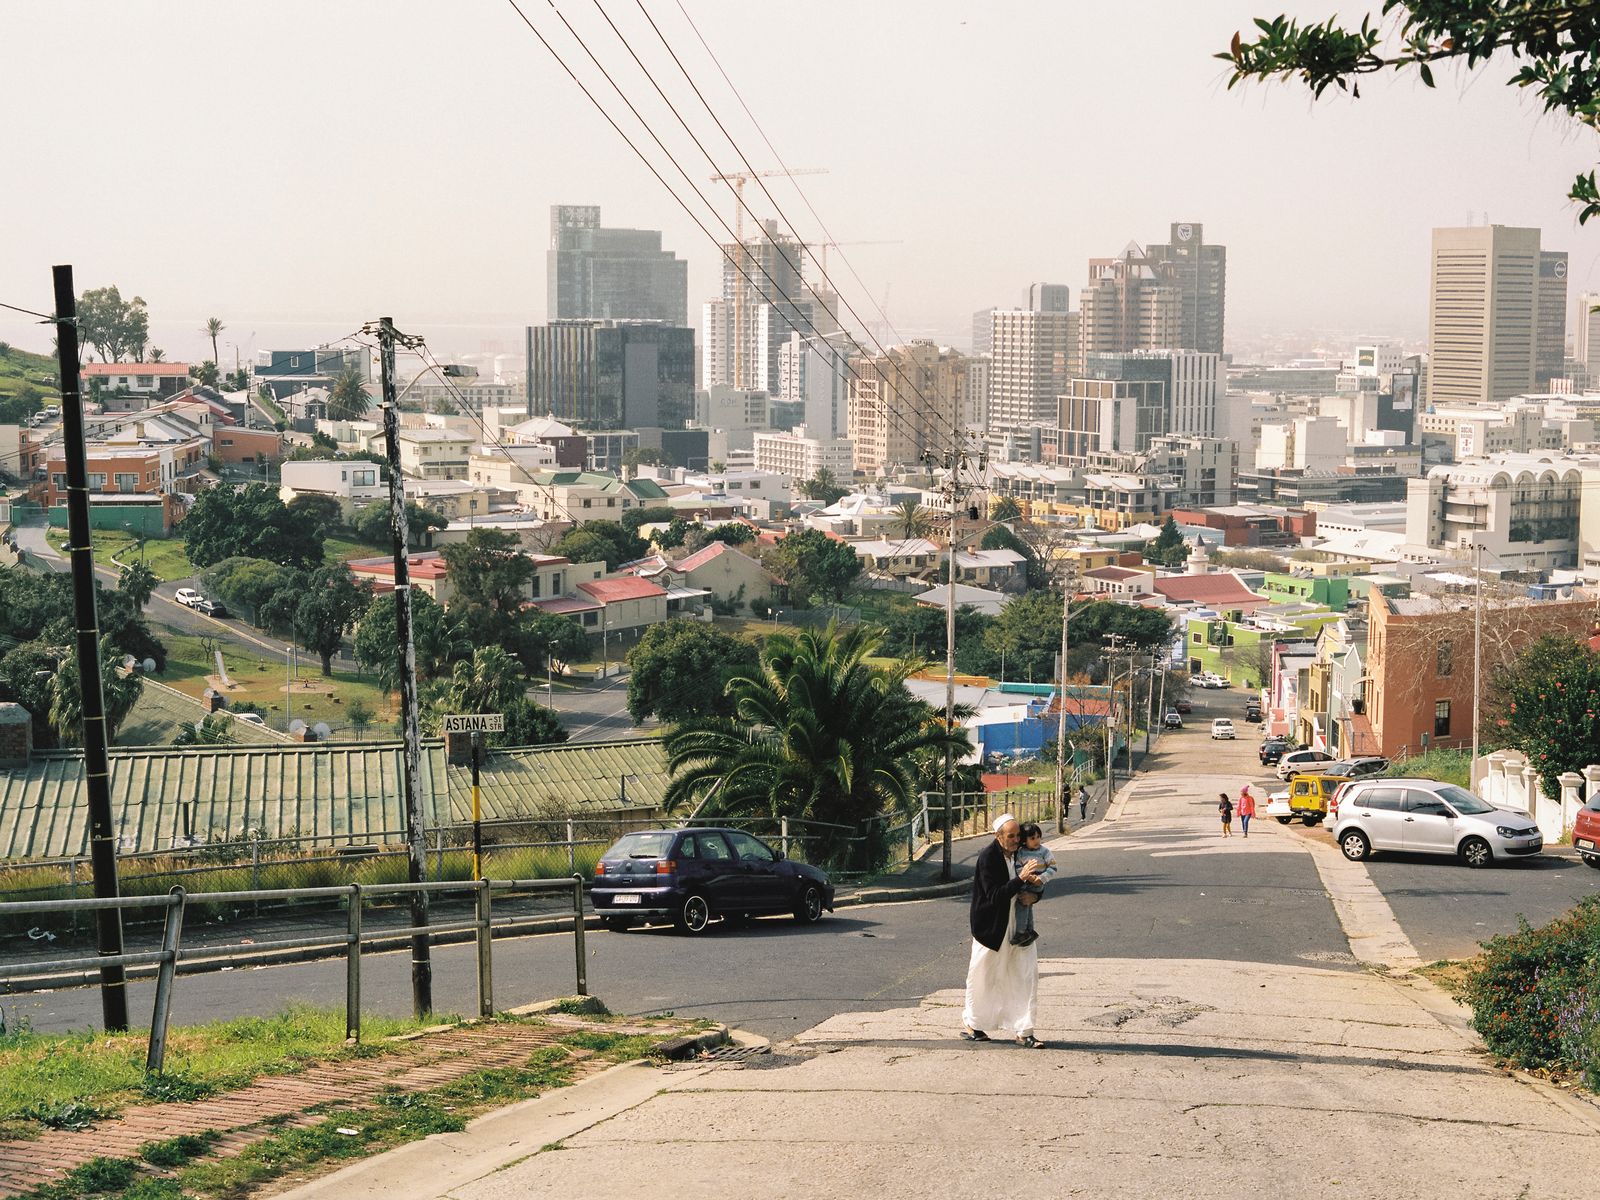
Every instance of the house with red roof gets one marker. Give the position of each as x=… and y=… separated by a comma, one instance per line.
x=130, y=386
x=1222, y=591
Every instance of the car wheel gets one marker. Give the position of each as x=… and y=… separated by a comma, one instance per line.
x=1592, y=861
x=808, y=905
x=616, y=924
x=1284, y=820
x=1313, y=820
x=1355, y=846
x=1475, y=852
x=693, y=915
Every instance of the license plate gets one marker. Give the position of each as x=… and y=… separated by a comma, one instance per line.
x=1583, y=843
x=625, y=898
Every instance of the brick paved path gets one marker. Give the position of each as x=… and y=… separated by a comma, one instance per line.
x=241, y=1116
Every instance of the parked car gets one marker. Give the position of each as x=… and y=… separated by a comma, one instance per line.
x=1207, y=680
x=1586, y=833
x=1183, y=706
x=691, y=877
x=187, y=596
x=1307, y=797
x=51, y=410
x=1292, y=762
x=1272, y=750
x=1172, y=719
x=1252, y=712
x=1222, y=729
x=1357, y=768
x=251, y=718
x=212, y=608
x=1424, y=816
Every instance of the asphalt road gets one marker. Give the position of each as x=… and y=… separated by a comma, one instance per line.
x=596, y=712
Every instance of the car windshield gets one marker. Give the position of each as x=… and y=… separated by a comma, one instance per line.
x=1463, y=801
x=641, y=845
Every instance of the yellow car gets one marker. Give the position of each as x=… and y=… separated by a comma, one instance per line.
x=1307, y=798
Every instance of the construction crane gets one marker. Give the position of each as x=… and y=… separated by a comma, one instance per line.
x=824, y=247
x=736, y=180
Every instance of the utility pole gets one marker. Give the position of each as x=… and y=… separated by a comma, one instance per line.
x=1111, y=717
x=411, y=775
x=1477, y=651
x=96, y=763
x=1150, y=703
x=1062, y=800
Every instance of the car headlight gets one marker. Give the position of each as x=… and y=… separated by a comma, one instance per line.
x=1507, y=831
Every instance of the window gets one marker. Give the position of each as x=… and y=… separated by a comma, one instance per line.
x=611, y=501
x=1386, y=799
x=1426, y=804
x=127, y=483
x=1443, y=663
x=58, y=480
x=97, y=480
x=687, y=849
x=1441, y=718
x=364, y=478
x=590, y=618
x=747, y=847
x=713, y=848
x=147, y=381
x=227, y=441
x=537, y=584
x=588, y=503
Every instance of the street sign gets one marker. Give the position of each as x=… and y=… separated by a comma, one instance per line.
x=475, y=723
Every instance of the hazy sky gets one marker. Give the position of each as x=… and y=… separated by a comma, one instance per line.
x=298, y=167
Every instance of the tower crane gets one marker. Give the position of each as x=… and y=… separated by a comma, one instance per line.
x=736, y=180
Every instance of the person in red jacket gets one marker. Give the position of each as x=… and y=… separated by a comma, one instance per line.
x=1247, y=808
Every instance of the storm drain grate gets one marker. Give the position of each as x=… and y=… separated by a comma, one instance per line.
x=729, y=1056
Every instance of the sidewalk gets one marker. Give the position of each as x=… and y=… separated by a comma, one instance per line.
x=1182, y=1077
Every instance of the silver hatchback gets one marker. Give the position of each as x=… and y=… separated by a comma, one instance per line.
x=1424, y=816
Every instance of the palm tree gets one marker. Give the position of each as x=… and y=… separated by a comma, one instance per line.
x=819, y=734
x=1005, y=508
x=349, y=400
x=912, y=518
x=119, y=689
x=490, y=683
x=158, y=355
x=213, y=327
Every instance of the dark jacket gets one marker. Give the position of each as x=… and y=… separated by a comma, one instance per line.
x=993, y=890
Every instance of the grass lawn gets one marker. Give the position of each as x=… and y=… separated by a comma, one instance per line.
x=43, y=1075
x=165, y=556
x=341, y=549
x=262, y=680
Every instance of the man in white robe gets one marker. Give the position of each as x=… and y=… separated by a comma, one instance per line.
x=1002, y=979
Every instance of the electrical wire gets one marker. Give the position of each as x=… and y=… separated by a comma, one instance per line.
x=632, y=145
x=46, y=317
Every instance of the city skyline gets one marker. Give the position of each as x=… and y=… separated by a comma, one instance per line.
x=441, y=224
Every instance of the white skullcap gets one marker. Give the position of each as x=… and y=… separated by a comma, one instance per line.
x=1000, y=821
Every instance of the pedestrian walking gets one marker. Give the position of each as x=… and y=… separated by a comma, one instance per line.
x=1002, y=978
x=1225, y=810
x=1247, y=808
x=1083, y=803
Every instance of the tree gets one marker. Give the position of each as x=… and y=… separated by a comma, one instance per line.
x=117, y=329
x=436, y=637
x=911, y=519
x=1250, y=560
x=679, y=669
x=817, y=734
x=1005, y=508
x=538, y=638
x=676, y=533
x=487, y=683
x=530, y=724
x=360, y=715
x=916, y=631
x=158, y=355
x=1548, y=706
x=332, y=604
x=206, y=374
x=348, y=401
x=324, y=512
x=490, y=576
x=248, y=585
x=606, y=540
x=642, y=456
x=1557, y=43
x=237, y=380
x=371, y=523
x=120, y=689
x=1099, y=620
x=249, y=522
x=816, y=567
x=635, y=517
x=213, y=327
x=1168, y=549
x=214, y=729
x=137, y=582
x=732, y=533
x=823, y=488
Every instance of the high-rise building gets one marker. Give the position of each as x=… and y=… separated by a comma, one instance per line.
x=903, y=403
x=764, y=300
x=1483, y=314
x=1028, y=373
x=1050, y=297
x=1198, y=379
x=982, y=332
x=610, y=374
x=1586, y=332
x=1129, y=304
x=813, y=372
x=1200, y=274
x=1550, y=348
x=1116, y=406
x=611, y=274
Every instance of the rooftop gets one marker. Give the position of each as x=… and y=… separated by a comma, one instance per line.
x=612, y=591
x=165, y=369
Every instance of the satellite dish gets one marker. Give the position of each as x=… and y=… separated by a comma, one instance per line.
x=322, y=730
x=129, y=662
x=296, y=725
x=149, y=665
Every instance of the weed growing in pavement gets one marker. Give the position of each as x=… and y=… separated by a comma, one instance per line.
x=614, y=1047
x=1535, y=993
x=68, y=1114
x=174, y=1152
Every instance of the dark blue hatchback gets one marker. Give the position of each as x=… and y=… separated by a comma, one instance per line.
x=693, y=876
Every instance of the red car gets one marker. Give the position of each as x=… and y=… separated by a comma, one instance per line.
x=1586, y=833
x=1183, y=706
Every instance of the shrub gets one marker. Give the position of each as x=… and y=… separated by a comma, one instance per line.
x=1535, y=993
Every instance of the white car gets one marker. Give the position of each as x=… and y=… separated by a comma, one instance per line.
x=187, y=596
x=252, y=718
x=1296, y=761
x=1222, y=729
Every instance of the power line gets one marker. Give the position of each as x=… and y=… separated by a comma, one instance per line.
x=45, y=317
x=589, y=94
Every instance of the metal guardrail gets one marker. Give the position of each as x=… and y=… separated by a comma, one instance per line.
x=166, y=959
